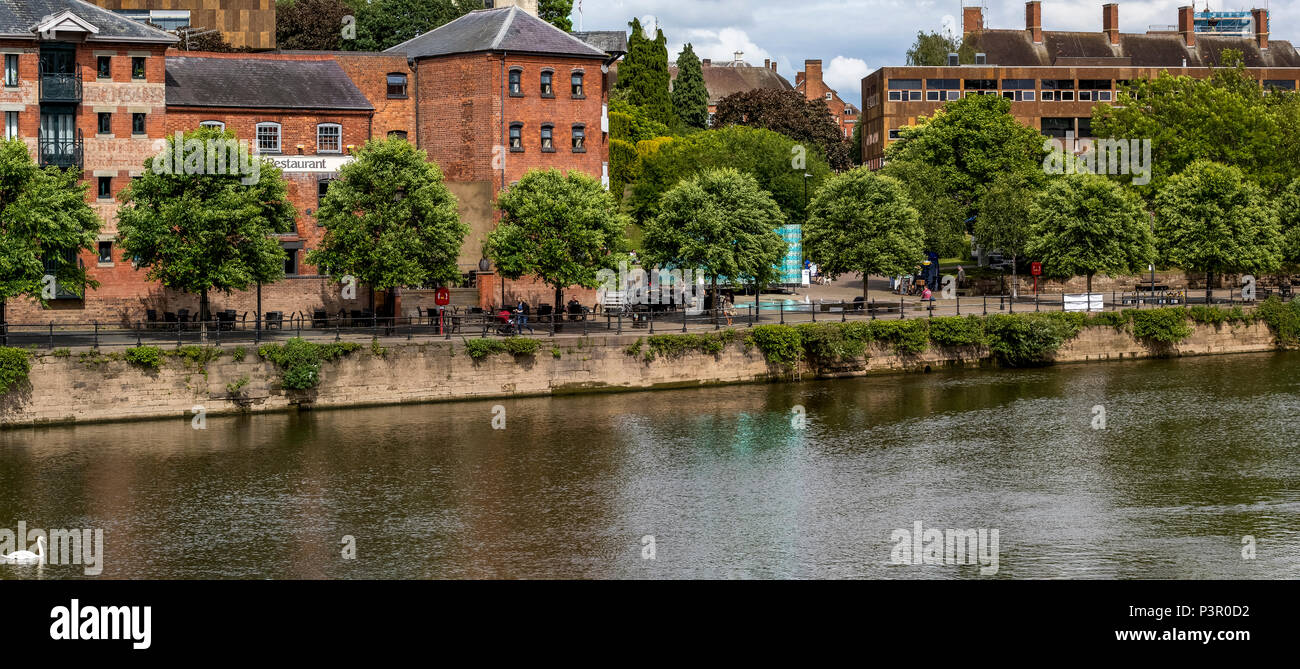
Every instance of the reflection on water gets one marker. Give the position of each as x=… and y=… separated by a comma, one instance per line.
x=1198, y=453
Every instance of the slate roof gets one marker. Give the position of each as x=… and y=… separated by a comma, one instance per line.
x=261, y=83
x=19, y=17
x=726, y=79
x=506, y=29
x=1013, y=48
x=612, y=42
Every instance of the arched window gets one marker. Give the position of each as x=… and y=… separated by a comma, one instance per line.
x=575, y=85
x=268, y=137
x=329, y=138
x=397, y=134
x=516, y=82
x=548, y=85
x=213, y=124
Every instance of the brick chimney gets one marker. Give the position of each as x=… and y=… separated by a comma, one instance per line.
x=1261, y=27
x=529, y=6
x=1110, y=22
x=972, y=19
x=1187, y=25
x=706, y=62
x=812, y=70
x=774, y=66
x=767, y=62
x=1034, y=21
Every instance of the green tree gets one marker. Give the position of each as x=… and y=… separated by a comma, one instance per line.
x=1089, y=224
x=720, y=222
x=863, y=221
x=1226, y=118
x=790, y=114
x=44, y=223
x=932, y=49
x=971, y=141
x=690, y=97
x=386, y=23
x=776, y=161
x=195, y=231
x=1212, y=219
x=943, y=219
x=1003, y=221
x=310, y=24
x=556, y=13
x=563, y=229
x=856, y=144
x=390, y=220
x=1288, y=212
x=643, y=74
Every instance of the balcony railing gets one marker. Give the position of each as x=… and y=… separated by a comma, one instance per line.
x=60, y=86
x=62, y=152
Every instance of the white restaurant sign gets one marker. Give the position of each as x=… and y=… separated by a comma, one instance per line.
x=309, y=163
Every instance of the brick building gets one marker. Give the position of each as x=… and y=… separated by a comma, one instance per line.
x=809, y=82
x=1054, y=78
x=244, y=23
x=500, y=92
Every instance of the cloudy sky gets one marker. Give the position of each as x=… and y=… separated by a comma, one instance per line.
x=854, y=37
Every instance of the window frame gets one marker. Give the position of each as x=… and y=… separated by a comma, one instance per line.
x=15, y=80
x=406, y=82
x=100, y=60
x=545, y=79
x=279, y=137
x=516, y=133
x=398, y=134
x=547, y=132
x=104, y=184
x=576, y=133
x=11, y=129
x=578, y=88
x=219, y=125
x=99, y=252
x=515, y=82
x=339, y=138
x=143, y=62
x=143, y=123
x=102, y=119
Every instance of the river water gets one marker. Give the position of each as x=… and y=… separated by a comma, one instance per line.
x=1196, y=456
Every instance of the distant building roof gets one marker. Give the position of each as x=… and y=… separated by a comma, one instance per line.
x=23, y=19
x=612, y=42
x=1014, y=48
x=507, y=29
x=261, y=83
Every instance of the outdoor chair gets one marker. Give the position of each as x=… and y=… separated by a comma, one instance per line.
x=274, y=320
x=319, y=318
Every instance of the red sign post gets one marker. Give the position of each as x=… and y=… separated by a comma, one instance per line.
x=441, y=298
x=1036, y=269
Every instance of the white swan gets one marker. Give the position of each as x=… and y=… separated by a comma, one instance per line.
x=27, y=557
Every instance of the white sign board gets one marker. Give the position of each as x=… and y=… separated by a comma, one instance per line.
x=309, y=163
x=1085, y=302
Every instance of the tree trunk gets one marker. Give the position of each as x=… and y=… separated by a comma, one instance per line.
x=1090, y=285
x=203, y=316
x=715, y=299
x=4, y=322
x=1015, y=281
x=866, y=279
x=1209, y=287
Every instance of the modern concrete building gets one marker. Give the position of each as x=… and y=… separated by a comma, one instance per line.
x=1055, y=78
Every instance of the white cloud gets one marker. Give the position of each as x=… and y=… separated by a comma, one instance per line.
x=720, y=45
x=845, y=75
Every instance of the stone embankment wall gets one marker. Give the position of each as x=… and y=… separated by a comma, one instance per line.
x=94, y=388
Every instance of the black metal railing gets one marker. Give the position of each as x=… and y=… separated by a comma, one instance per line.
x=60, y=86
x=62, y=152
x=227, y=329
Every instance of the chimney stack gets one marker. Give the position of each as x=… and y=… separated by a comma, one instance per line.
x=1034, y=21
x=812, y=71
x=1110, y=22
x=972, y=19
x=529, y=6
x=1261, y=27
x=774, y=66
x=706, y=62
x=767, y=62
x=1187, y=25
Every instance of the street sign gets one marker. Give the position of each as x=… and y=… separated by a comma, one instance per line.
x=443, y=297
x=1036, y=269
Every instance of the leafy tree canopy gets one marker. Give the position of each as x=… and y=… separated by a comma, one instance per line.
x=777, y=162
x=390, y=220
x=556, y=13
x=690, y=96
x=942, y=218
x=863, y=221
x=562, y=228
x=1089, y=224
x=790, y=114
x=932, y=49
x=643, y=74
x=720, y=221
x=385, y=23
x=311, y=24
